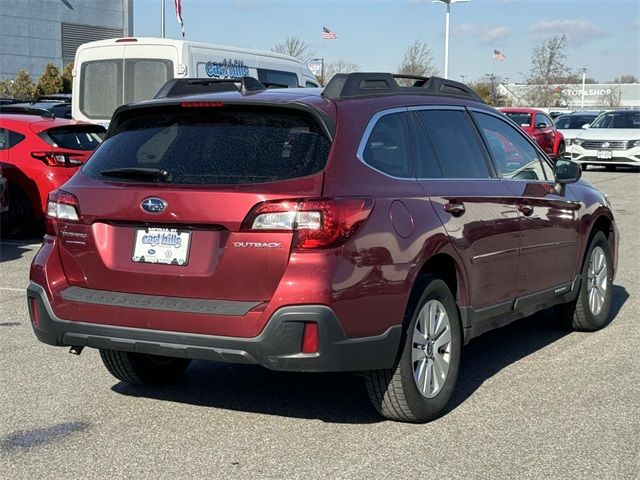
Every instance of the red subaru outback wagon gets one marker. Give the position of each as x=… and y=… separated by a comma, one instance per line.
x=367, y=227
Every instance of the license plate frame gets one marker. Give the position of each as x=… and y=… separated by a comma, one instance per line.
x=604, y=155
x=161, y=245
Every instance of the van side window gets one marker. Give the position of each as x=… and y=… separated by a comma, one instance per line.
x=388, y=147
x=513, y=156
x=456, y=145
x=278, y=78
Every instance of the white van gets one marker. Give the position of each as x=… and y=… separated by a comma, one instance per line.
x=110, y=73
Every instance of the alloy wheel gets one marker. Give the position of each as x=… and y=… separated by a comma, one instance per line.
x=597, y=280
x=431, y=352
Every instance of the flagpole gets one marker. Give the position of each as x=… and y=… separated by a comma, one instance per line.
x=162, y=18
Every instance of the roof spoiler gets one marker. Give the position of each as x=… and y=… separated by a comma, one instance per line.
x=353, y=85
x=179, y=87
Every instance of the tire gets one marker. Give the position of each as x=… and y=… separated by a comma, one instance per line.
x=584, y=167
x=18, y=221
x=394, y=392
x=590, y=310
x=561, y=152
x=610, y=168
x=143, y=369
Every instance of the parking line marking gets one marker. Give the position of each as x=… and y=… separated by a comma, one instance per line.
x=11, y=289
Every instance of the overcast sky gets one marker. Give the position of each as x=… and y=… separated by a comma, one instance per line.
x=602, y=35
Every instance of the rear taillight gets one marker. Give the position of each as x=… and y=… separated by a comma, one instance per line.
x=58, y=159
x=316, y=223
x=61, y=205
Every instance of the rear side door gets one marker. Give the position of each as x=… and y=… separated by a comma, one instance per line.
x=476, y=208
x=548, y=225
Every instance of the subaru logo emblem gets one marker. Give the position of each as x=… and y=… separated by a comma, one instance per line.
x=153, y=205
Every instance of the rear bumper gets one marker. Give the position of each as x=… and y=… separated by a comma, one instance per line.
x=277, y=347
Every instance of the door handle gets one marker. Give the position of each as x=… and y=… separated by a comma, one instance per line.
x=525, y=209
x=454, y=208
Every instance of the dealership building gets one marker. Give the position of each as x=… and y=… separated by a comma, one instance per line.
x=34, y=33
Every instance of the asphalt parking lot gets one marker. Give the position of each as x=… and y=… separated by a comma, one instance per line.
x=533, y=401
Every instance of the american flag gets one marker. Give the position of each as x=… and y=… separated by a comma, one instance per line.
x=328, y=34
x=498, y=55
x=178, y=4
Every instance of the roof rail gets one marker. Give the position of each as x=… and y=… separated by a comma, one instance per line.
x=365, y=84
x=179, y=87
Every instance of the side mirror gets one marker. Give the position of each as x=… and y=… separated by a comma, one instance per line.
x=585, y=126
x=566, y=171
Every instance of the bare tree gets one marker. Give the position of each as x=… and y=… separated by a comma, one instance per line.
x=295, y=47
x=548, y=69
x=418, y=60
x=627, y=78
x=613, y=98
x=339, y=66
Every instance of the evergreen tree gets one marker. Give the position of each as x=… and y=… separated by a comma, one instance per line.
x=22, y=87
x=50, y=81
x=67, y=78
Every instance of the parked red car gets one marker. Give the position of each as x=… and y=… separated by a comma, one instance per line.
x=371, y=227
x=539, y=126
x=39, y=154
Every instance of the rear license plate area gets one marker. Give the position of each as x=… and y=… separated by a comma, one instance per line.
x=167, y=246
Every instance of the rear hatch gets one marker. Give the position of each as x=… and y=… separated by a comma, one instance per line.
x=162, y=201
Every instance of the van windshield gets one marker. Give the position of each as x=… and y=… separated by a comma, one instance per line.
x=221, y=145
x=104, y=85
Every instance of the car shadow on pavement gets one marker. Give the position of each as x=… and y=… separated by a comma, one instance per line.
x=330, y=397
x=486, y=355
x=15, y=249
x=342, y=397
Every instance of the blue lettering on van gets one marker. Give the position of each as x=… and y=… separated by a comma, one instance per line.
x=227, y=69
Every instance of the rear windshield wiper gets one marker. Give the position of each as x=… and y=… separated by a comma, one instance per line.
x=139, y=173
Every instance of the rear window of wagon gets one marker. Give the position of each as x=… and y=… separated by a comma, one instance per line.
x=218, y=145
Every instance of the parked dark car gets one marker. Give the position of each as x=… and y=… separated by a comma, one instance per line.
x=57, y=109
x=4, y=199
x=39, y=155
x=364, y=227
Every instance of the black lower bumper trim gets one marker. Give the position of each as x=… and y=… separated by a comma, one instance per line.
x=276, y=348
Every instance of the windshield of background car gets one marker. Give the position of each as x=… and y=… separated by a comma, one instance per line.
x=522, y=119
x=617, y=120
x=219, y=145
x=75, y=137
x=573, y=122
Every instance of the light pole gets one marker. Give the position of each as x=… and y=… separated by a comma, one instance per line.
x=446, y=32
x=463, y=77
x=584, y=76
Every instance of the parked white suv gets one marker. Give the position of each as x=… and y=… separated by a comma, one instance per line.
x=613, y=139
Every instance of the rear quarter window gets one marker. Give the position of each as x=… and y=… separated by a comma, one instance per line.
x=224, y=145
